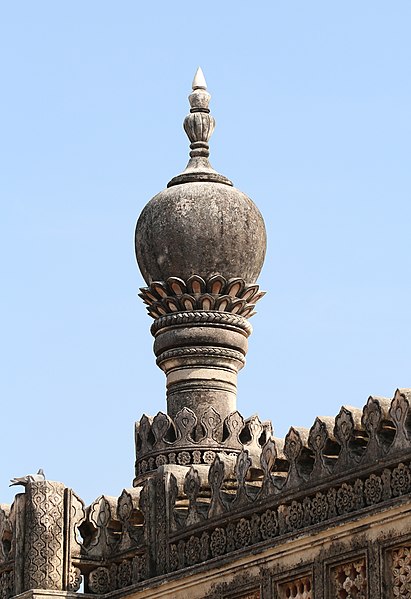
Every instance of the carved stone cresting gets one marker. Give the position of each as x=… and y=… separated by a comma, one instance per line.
x=131, y=518
x=268, y=457
x=187, y=440
x=192, y=485
x=242, y=467
x=400, y=414
x=216, y=479
x=101, y=517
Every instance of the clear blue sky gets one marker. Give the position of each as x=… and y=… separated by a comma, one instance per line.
x=312, y=102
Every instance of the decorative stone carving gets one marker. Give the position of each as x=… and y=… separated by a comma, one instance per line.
x=173, y=559
x=131, y=518
x=192, y=550
x=44, y=543
x=196, y=440
x=242, y=467
x=372, y=416
x=204, y=318
x=218, y=542
x=102, y=513
x=234, y=423
x=99, y=580
x=5, y=533
x=17, y=517
x=7, y=584
x=160, y=426
x=255, y=528
x=162, y=505
x=124, y=574
x=176, y=295
x=299, y=588
x=294, y=516
x=243, y=533
x=74, y=579
x=349, y=580
x=317, y=440
x=269, y=526
x=267, y=460
x=211, y=421
x=140, y=567
x=345, y=499
x=292, y=449
x=343, y=431
x=401, y=572
x=400, y=414
x=319, y=508
x=215, y=479
x=255, y=428
x=75, y=506
x=185, y=421
x=192, y=484
x=400, y=480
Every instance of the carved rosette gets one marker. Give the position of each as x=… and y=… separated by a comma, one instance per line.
x=44, y=551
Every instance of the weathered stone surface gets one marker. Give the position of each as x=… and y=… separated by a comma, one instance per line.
x=200, y=228
x=221, y=509
x=200, y=224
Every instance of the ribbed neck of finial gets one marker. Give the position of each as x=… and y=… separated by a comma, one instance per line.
x=199, y=125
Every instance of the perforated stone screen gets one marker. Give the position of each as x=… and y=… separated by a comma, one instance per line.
x=300, y=588
x=401, y=572
x=349, y=580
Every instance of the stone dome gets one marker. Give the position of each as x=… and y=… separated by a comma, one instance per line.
x=200, y=224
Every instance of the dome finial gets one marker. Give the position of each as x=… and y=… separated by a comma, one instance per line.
x=199, y=126
x=199, y=81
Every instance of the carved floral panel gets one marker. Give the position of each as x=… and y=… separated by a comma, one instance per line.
x=401, y=572
x=349, y=580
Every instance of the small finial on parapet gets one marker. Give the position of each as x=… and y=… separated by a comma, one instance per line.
x=199, y=81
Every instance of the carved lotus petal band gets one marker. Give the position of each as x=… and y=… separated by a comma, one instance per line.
x=216, y=293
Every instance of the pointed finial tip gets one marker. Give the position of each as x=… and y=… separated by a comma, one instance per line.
x=199, y=81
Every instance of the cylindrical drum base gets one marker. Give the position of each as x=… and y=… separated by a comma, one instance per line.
x=201, y=354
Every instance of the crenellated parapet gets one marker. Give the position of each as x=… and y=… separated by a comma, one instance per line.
x=254, y=492
x=186, y=439
x=357, y=463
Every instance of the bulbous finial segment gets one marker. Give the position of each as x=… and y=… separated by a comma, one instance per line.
x=199, y=126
